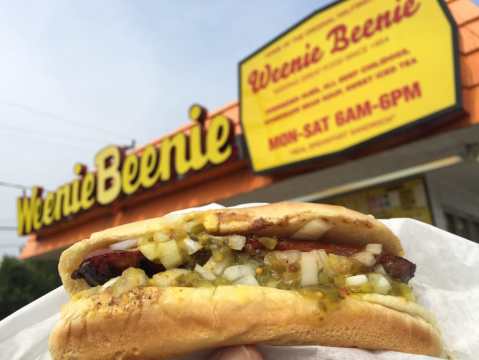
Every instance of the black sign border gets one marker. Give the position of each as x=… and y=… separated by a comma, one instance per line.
x=444, y=114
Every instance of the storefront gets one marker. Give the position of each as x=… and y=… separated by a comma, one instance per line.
x=418, y=157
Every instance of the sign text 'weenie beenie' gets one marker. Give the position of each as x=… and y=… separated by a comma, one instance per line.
x=118, y=173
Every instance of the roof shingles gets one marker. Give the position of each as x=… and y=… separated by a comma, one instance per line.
x=466, y=15
x=464, y=11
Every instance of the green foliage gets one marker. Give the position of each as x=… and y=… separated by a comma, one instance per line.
x=22, y=281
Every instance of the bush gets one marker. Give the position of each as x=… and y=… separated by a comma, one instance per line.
x=22, y=281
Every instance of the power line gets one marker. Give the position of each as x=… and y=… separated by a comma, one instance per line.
x=14, y=186
x=51, y=140
x=56, y=117
x=48, y=134
x=48, y=137
x=17, y=186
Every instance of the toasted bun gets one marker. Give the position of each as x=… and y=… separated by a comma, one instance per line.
x=331, y=224
x=155, y=323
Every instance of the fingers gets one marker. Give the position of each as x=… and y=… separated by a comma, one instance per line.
x=244, y=352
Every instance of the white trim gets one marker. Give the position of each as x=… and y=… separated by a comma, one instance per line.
x=395, y=175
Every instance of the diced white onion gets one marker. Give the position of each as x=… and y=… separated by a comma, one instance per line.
x=236, y=242
x=312, y=230
x=247, y=280
x=124, y=245
x=380, y=269
x=217, y=267
x=356, y=280
x=191, y=245
x=236, y=272
x=161, y=237
x=220, y=267
x=206, y=274
x=365, y=258
x=309, y=269
x=380, y=284
x=110, y=282
x=375, y=249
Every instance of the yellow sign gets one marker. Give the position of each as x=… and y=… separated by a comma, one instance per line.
x=120, y=174
x=407, y=199
x=345, y=75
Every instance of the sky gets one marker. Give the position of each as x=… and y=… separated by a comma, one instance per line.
x=79, y=75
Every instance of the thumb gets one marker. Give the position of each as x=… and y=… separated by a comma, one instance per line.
x=243, y=352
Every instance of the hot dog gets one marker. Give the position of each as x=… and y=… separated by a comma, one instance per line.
x=282, y=274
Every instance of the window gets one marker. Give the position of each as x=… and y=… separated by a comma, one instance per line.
x=463, y=225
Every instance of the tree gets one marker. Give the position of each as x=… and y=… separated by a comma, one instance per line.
x=22, y=281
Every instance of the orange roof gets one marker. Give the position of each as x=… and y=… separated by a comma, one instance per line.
x=463, y=11
x=469, y=37
x=466, y=15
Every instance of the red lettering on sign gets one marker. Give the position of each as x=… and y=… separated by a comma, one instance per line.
x=342, y=37
x=283, y=139
x=260, y=79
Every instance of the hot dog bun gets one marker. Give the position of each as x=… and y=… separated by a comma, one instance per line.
x=157, y=323
x=154, y=323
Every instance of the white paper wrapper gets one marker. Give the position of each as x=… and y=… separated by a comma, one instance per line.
x=446, y=282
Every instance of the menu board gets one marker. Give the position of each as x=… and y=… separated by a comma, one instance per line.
x=408, y=199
